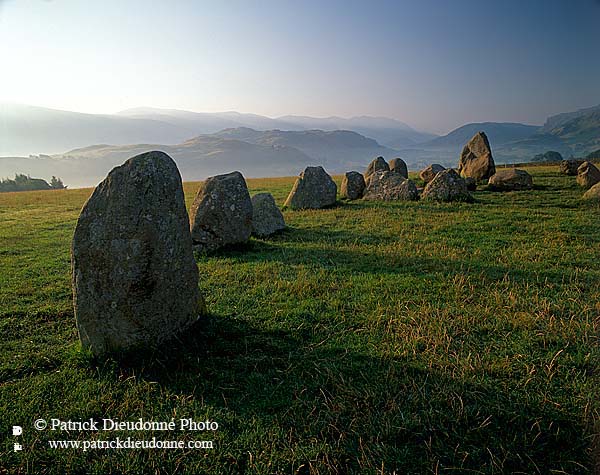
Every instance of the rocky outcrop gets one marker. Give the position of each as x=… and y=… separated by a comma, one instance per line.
x=377, y=165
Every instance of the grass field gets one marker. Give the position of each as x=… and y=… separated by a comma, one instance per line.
x=405, y=337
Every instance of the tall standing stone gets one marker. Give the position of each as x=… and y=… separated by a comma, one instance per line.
x=221, y=213
x=135, y=280
x=476, y=159
x=313, y=189
x=397, y=165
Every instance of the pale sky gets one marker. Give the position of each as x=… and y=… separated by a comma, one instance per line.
x=434, y=64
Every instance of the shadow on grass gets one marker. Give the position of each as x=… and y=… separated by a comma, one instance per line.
x=366, y=411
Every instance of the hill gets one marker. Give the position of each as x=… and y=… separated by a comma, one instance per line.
x=254, y=153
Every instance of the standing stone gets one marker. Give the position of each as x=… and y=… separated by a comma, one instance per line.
x=390, y=186
x=476, y=159
x=511, y=179
x=313, y=189
x=221, y=213
x=266, y=216
x=135, y=280
x=447, y=186
x=353, y=186
x=429, y=173
x=593, y=193
x=377, y=165
x=397, y=165
x=569, y=167
x=588, y=175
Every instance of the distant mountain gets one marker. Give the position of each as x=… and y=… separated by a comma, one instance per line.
x=556, y=121
x=28, y=130
x=388, y=132
x=573, y=133
x=498, y=133
x=254, y=153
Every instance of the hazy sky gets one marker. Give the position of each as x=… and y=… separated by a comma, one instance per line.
x=435, y=64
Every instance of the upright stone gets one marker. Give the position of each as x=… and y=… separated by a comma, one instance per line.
x=313, y=189
x=429, y=173
x=397, y=165
x=135, y=280
x=221, y=213
x=353, y=186
x=266, y=216
x=588, y=175
x=476, y=159
x=377, y=165
x=569, y=167
x=447, y=186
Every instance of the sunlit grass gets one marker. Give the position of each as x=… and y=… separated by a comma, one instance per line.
x=367, y=338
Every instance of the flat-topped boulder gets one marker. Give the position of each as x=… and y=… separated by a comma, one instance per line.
x=429, y=173
x=398, y=165
x=135, y=280
x=390, y=186
x=569, y=167
x=313, y=189
x=588, y=175
x=447, y=185
x=377, y=165
x=267, y=219
x=476, y=159
x=593, y=193
x=221, y=213
x=511, y=179
x=353, y=186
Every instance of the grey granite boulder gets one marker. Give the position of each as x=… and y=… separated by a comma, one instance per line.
x=429, y=173
x=398, y=165
x=266, y=216
x=377, y=165
x=221, y=213
x=511, y=179
x=313, y=189
x=353, y=186
x=588, y=175
x=447, y=186
x=135, y=280
x=390, y=186
x=476, y=159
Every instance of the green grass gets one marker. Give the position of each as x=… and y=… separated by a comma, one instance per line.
x=367, y=338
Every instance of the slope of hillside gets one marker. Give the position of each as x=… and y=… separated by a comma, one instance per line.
x=254, y=153
x=26, y=130
x=498, y=133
